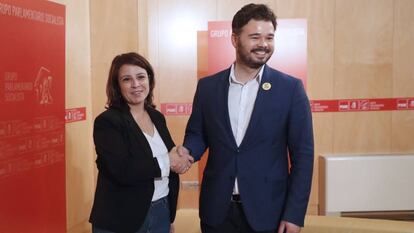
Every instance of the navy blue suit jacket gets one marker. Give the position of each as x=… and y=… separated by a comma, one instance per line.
x=281, y=122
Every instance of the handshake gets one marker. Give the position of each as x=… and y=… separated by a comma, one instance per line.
x=180, y=159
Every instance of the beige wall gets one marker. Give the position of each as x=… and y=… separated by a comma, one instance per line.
x=79, y=146
x=356, y=49
x=114, y=30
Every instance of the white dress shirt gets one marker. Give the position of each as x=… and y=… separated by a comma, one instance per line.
x=241, y=103
x=160, y=151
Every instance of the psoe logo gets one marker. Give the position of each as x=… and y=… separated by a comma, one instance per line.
x=219, y=33
x=402, y=104
x=344, y=106
x=43, y=86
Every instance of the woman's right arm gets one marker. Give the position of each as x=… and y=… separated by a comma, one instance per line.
x=115, y=160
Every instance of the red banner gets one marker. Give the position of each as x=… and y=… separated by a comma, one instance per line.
x=75, y=114
x=345, y=105
x=176, y=109
x=361, y=105
x=32, y=125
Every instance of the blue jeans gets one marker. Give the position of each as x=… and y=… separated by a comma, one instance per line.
x=156, y=221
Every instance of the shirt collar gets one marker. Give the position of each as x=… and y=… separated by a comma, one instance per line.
x=232, y=77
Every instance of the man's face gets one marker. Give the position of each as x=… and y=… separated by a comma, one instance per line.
x=254, y=45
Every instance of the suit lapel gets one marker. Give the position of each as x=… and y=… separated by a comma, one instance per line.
x=259, y=106
x=223, y=106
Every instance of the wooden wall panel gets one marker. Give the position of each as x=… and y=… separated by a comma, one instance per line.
x=363, y=48
x=363, y=69
x=179, y=22
x=402, y=132
x=79, y=146
x=362, y=132
x=403, y=78
x=227, y=8
x=143, y=23
x=320, y=17
x=148, y=37
x=114, y=30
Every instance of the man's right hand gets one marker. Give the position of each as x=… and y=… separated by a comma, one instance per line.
x=180, y=159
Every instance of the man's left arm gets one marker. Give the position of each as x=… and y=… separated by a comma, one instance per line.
x=301, y=150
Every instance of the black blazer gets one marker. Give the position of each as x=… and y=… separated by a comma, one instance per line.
x=127, y=170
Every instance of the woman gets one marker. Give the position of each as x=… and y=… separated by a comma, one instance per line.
x=136, y=191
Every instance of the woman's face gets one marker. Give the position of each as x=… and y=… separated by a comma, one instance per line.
x=134, y=84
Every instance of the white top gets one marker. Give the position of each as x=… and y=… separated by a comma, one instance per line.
x=160, y=151
x=241, y=103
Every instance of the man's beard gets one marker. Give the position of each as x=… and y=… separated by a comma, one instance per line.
x=247, y=58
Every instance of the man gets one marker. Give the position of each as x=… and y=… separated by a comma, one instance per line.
x=249, y=117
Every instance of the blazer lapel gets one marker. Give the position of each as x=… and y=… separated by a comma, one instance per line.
x=162, y=130
x=137, y=133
